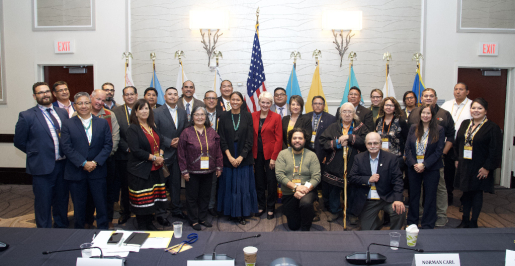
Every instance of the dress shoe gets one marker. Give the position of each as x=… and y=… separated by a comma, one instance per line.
x=206, y=224
x=441, y=221
x=270, y=216
x=463, y=224
x=123, y=218
x=180, y=215
x=259, y=213
x=163, y=221
x=213, y=212
x=332, y=217
x=242, y=221
x=473, y=224
x=196, y=227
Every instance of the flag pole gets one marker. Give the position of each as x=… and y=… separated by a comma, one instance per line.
x=418, y=56
x=387, y=56
x=352, y=56
x=153, y=58
x=257, y=22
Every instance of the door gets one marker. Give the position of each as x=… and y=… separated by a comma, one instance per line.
x=79, y=78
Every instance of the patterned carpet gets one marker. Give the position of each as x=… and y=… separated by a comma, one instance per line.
x=17, y=210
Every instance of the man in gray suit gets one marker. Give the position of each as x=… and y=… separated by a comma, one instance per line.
x=171, y=121
x=280, y=105
x=187, y=102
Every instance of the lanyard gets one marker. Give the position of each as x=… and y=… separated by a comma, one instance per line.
x=207, y=144
x=87, y=130
x=149, y=131
x=469, y=136
x=452, y=110
x=301, y=158
x=126, y=114
x=51, y=122
x=318, y=122
x=424, y=142
x=388, y=131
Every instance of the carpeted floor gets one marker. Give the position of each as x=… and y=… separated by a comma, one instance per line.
x=17, y=210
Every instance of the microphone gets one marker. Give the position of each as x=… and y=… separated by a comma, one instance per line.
x=367, y=258
x=65, y=250
x=222, y=256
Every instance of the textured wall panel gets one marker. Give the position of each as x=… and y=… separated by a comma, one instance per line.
x=64, y=12
x=488, y=14
x=388, y=25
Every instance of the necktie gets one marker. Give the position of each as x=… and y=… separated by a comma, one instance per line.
x=188, y=111
x=315, y=123
x=212, y=121
x=281, y=111
x=228, y=106
x=57, y=127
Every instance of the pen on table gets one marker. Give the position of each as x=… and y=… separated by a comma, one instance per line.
x=94, y=235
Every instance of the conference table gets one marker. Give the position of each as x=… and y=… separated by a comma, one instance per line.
x=475, y=246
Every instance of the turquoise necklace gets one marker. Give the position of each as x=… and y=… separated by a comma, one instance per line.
x=236, y=126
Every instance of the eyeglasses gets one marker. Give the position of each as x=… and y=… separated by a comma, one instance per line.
x=318, y=103
x=129, y=94
x=61, y=90
x=410, y=98
x=199, y=115
x=108, y=90
x=43, y=92
x=210, y=98
x=82, y=103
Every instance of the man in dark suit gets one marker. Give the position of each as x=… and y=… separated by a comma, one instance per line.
x=122, y=113
x=187, y=101
x=37, y=134
x=62, y=94
x=365, y=115
x=224, y=101
x=280, y=105
x=87, y=143
x=151, y=96
x=170, y=122
x=213, y=114
x=379, y=185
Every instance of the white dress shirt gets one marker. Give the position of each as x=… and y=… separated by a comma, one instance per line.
x=459, y=112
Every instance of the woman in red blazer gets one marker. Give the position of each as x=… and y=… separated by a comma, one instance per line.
x=268, y=136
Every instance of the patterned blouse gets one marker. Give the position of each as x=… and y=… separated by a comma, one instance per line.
x=396, y=132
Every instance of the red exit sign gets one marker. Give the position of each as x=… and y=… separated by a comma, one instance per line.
x=64, y=47
x=488, y=49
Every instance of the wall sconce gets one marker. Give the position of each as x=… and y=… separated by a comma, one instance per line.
x=343, y=21
x=209, y=20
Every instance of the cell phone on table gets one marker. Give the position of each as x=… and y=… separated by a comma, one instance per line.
x=115, y=238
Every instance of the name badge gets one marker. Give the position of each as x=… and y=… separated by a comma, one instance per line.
x=296, y=182
x=204, y=162
x=467, y=152
x=313, y=136
x=373, y=193
x=420, y=158
x=385, y=143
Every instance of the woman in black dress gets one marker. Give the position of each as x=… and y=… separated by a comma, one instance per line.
x=479, y=148
x=295, y=119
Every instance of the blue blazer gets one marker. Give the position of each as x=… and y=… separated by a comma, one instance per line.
x=390, y=184
x=434, y=151
x=32, y=136
x=77, y=149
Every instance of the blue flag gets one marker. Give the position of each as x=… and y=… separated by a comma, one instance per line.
x=160, y=93
x=418, y=86
x=293, y=87
x=351, y=82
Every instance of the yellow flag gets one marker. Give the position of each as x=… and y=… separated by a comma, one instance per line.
x=315, y=90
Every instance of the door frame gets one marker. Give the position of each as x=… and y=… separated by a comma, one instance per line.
x=509, y=120
x=39, y=69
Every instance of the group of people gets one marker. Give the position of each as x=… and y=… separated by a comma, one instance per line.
x=232, y=161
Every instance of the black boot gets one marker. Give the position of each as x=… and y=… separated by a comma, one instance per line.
x=473, y=223
x=464, y=223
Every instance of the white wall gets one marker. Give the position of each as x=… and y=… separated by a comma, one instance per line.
x=25, y=49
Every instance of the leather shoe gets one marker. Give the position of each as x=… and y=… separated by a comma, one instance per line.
x=213, y=212
x=206, y=224
x=123, y=218
x=270, y=216
x=162, y=221
x=259, y=213
x=180, y=215
x=196, y=227
x=242, y=221
x=463, y=225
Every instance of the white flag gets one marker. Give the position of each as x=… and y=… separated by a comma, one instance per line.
x=388, y=92
x=218, y=82
x=128, y=78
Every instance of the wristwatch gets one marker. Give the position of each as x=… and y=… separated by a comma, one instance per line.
x=94, y=162
x=295, y=189
x=154, y=158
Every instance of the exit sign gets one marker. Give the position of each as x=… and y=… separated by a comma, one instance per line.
x=64, y=47
x=488, y=49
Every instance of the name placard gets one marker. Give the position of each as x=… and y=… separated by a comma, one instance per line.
x=210, y=263
x=436, y=259
x=99, y=262
x=510, y=258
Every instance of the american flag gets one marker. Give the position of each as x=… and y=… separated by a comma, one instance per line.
x=256, y=79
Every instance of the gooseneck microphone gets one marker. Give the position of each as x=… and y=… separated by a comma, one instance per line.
x=367, y=258
x=214, y=256
x=214, y=250
x=65, y=250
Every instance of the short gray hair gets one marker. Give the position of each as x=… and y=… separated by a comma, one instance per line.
x=81, y=94
x=266, y=95
x=94, y=93
x=353, y=109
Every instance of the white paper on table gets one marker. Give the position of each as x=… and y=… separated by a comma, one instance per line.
x=156, y=242
x=113, y=249
x=510, y=257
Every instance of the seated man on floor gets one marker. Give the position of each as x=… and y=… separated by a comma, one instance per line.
x=298, y=170
x=379, y=181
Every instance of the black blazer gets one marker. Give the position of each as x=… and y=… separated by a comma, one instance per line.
x=390, y=184
x=433, y=156
x=302, y=122
x=168, y=129
x=245, y=135
x=365, y=116
x=138, y=163
x=220, y=107
x=122, y=115
x=326, y=120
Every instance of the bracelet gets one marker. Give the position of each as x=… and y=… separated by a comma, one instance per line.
x=154, y=158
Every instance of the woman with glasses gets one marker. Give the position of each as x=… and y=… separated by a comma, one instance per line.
x=295, y=119
x=376, y=96
x=410, y=101
x=268, y=143
x=392, y=127
x=237, y=192
x=199, y=156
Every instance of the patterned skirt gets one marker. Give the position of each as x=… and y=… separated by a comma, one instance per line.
x=147, y=195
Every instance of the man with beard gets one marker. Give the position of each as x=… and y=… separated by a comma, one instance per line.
x=37, y=134
x=62, y=94
x=109, y=103
x=298, y=170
